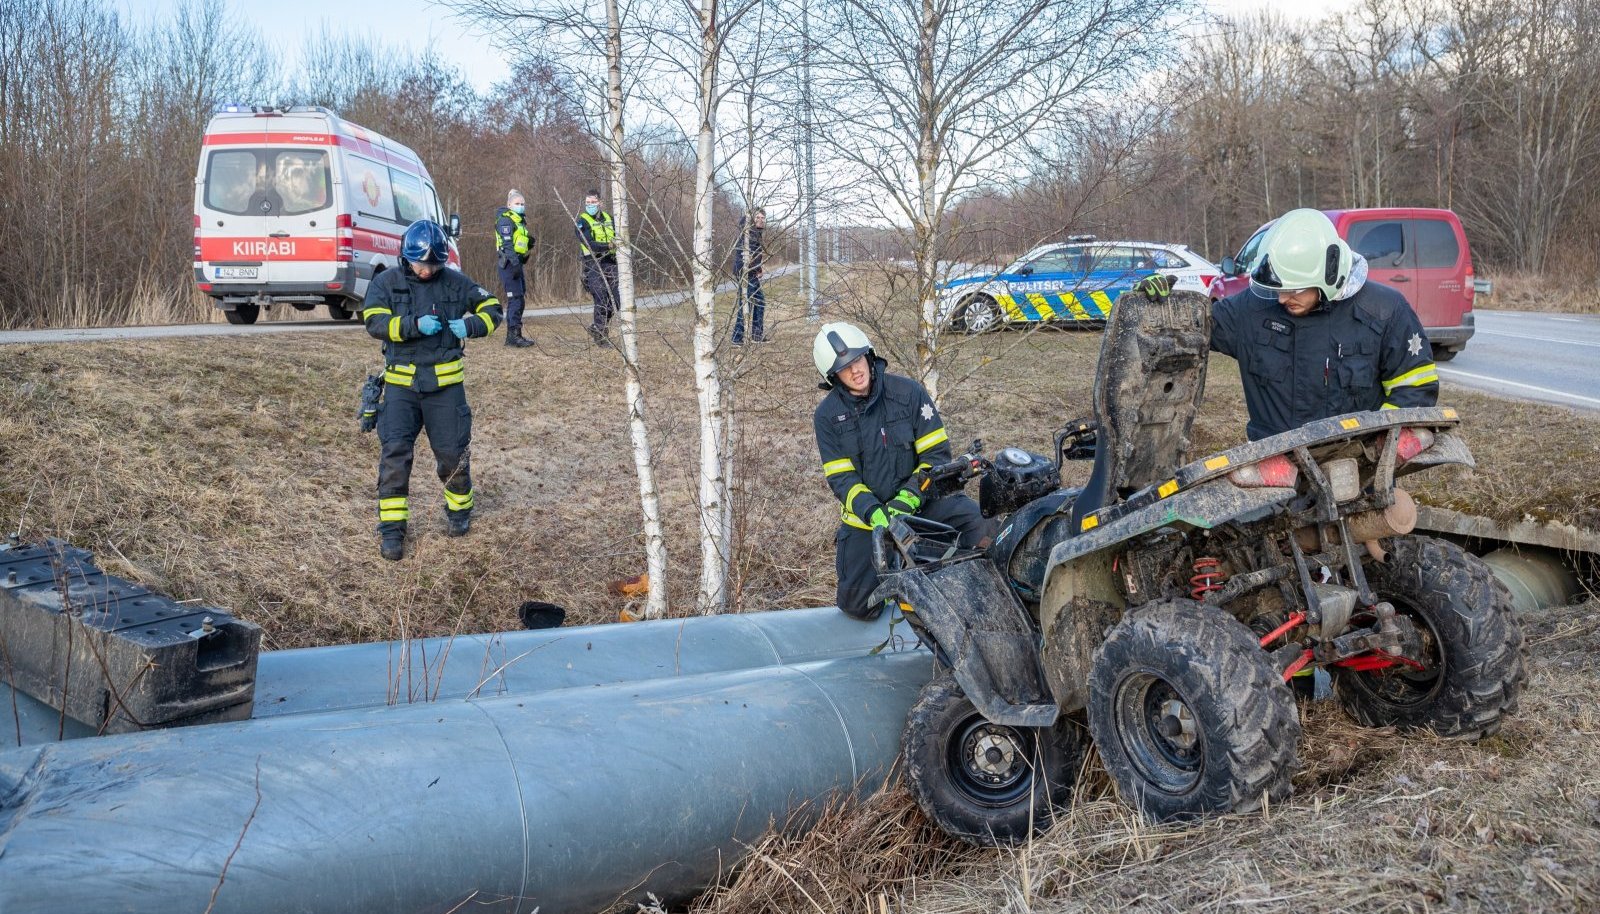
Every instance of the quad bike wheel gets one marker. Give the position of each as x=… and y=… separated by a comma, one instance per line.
x=1189, y=714
x=1470, y=636
x=987, y=784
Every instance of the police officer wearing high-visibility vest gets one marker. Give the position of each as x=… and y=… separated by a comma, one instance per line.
x=877, y=432
x=597, y=237
x=513, y=243
x=1315, y=338
x=424, y=313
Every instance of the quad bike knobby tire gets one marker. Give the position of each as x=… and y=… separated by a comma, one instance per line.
x=1469, y=633
x=987, y=784
x=1189, y=714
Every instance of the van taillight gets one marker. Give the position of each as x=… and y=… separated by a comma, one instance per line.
x=1469, y=290
x=197, y=238
x=346, y=239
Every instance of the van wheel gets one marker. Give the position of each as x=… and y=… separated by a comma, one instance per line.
x=340, y=312
x=243, y=314
x=1443, y=353
x=301, y=305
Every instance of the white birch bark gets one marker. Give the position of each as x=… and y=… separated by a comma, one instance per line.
x=655, y=544
x=716, y=519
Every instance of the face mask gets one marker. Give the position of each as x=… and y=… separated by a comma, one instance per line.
x=517, y=208
x=592, y=208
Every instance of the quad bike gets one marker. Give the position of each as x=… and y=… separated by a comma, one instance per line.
x=1162, y=609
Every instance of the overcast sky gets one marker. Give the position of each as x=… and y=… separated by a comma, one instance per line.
x=417, y=24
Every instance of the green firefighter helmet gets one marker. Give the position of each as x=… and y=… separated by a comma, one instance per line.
x=1302, y=250
x=837, y=345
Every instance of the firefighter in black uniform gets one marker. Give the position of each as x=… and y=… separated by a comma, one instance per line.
x=596, y=239
x=513, y=244
x=1314, y=338
x=877, y=432
x=424, y=312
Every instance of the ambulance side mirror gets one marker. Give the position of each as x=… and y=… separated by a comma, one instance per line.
x=455, y=226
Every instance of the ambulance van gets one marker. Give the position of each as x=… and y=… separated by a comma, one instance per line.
x=297, y=206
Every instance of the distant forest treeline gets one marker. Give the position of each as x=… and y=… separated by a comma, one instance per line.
x=1489, y=107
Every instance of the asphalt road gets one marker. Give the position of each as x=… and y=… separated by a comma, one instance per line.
x=1553, y=358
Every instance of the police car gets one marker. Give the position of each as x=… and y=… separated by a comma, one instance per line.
x=1072, y=283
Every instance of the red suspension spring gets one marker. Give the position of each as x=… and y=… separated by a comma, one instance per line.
x=1208, y=577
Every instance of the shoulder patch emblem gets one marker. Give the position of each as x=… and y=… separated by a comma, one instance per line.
x=927, y=411
x=1414, y=345
x=480, y=290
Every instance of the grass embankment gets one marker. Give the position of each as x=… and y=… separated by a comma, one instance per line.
x=230, y=470
x=1529, y=292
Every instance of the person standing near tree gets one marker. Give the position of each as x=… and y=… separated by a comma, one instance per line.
x=513, y=243
x=748, y=256
x=424, y=312
x=597, y=237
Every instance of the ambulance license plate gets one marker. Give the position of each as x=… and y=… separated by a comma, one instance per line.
x=237, y=272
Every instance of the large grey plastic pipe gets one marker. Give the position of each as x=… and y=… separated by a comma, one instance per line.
x=382, y=673
x=566, y=800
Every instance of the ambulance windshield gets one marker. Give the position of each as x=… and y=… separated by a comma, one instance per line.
x=268, y=182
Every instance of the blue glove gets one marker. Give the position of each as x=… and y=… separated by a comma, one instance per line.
x=428, y=325
x=459, y=328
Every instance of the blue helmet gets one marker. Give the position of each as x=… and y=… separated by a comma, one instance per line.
x=426, y=242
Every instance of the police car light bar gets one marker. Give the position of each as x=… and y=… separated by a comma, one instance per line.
x=1080, y=239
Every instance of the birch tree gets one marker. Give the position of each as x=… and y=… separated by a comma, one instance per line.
x=932, y=99
x=573, y=22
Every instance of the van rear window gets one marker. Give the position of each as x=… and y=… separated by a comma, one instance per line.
x=1382, y=243
x=284, y=182
x=1437, y=247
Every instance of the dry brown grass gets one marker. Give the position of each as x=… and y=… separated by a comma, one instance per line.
x=230, y=470
x=1526, y=292
x=1379, y=822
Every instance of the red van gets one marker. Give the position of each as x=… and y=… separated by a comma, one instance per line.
x=1420, y=252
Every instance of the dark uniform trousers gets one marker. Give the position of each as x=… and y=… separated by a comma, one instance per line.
x=448, y=420
x=515, y=283
x=852, y=551
x=600, y=280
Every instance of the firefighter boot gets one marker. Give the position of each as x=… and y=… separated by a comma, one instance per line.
x=460, y=522
x=394, y=545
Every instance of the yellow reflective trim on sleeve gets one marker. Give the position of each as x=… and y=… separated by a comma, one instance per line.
x=932, y=439
x=850, y=497
x=1167, y=488
x=835, y=467
x=850, y=519
x=1217, y=463
x=374, y=311
x=1416, y=377
x=394, y=330
x=488, y=322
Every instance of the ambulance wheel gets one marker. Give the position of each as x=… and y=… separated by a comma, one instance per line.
x=340, y=312
x=301, y=305
x=243, y=314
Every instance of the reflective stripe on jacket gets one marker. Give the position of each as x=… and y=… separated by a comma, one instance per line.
x=596, y=234
x=1365, y=352
x=511, y=234
x=396, y=298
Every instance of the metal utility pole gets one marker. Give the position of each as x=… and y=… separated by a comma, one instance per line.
x=808, y=178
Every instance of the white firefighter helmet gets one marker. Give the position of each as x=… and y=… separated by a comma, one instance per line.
x=1302, y=250
x=837, y=345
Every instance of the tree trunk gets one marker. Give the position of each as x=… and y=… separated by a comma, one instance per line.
x=655, y=544
x=928, y=215
x=716, y=520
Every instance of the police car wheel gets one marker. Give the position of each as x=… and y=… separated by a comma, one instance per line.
x=243, y=314
x=979, y=315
